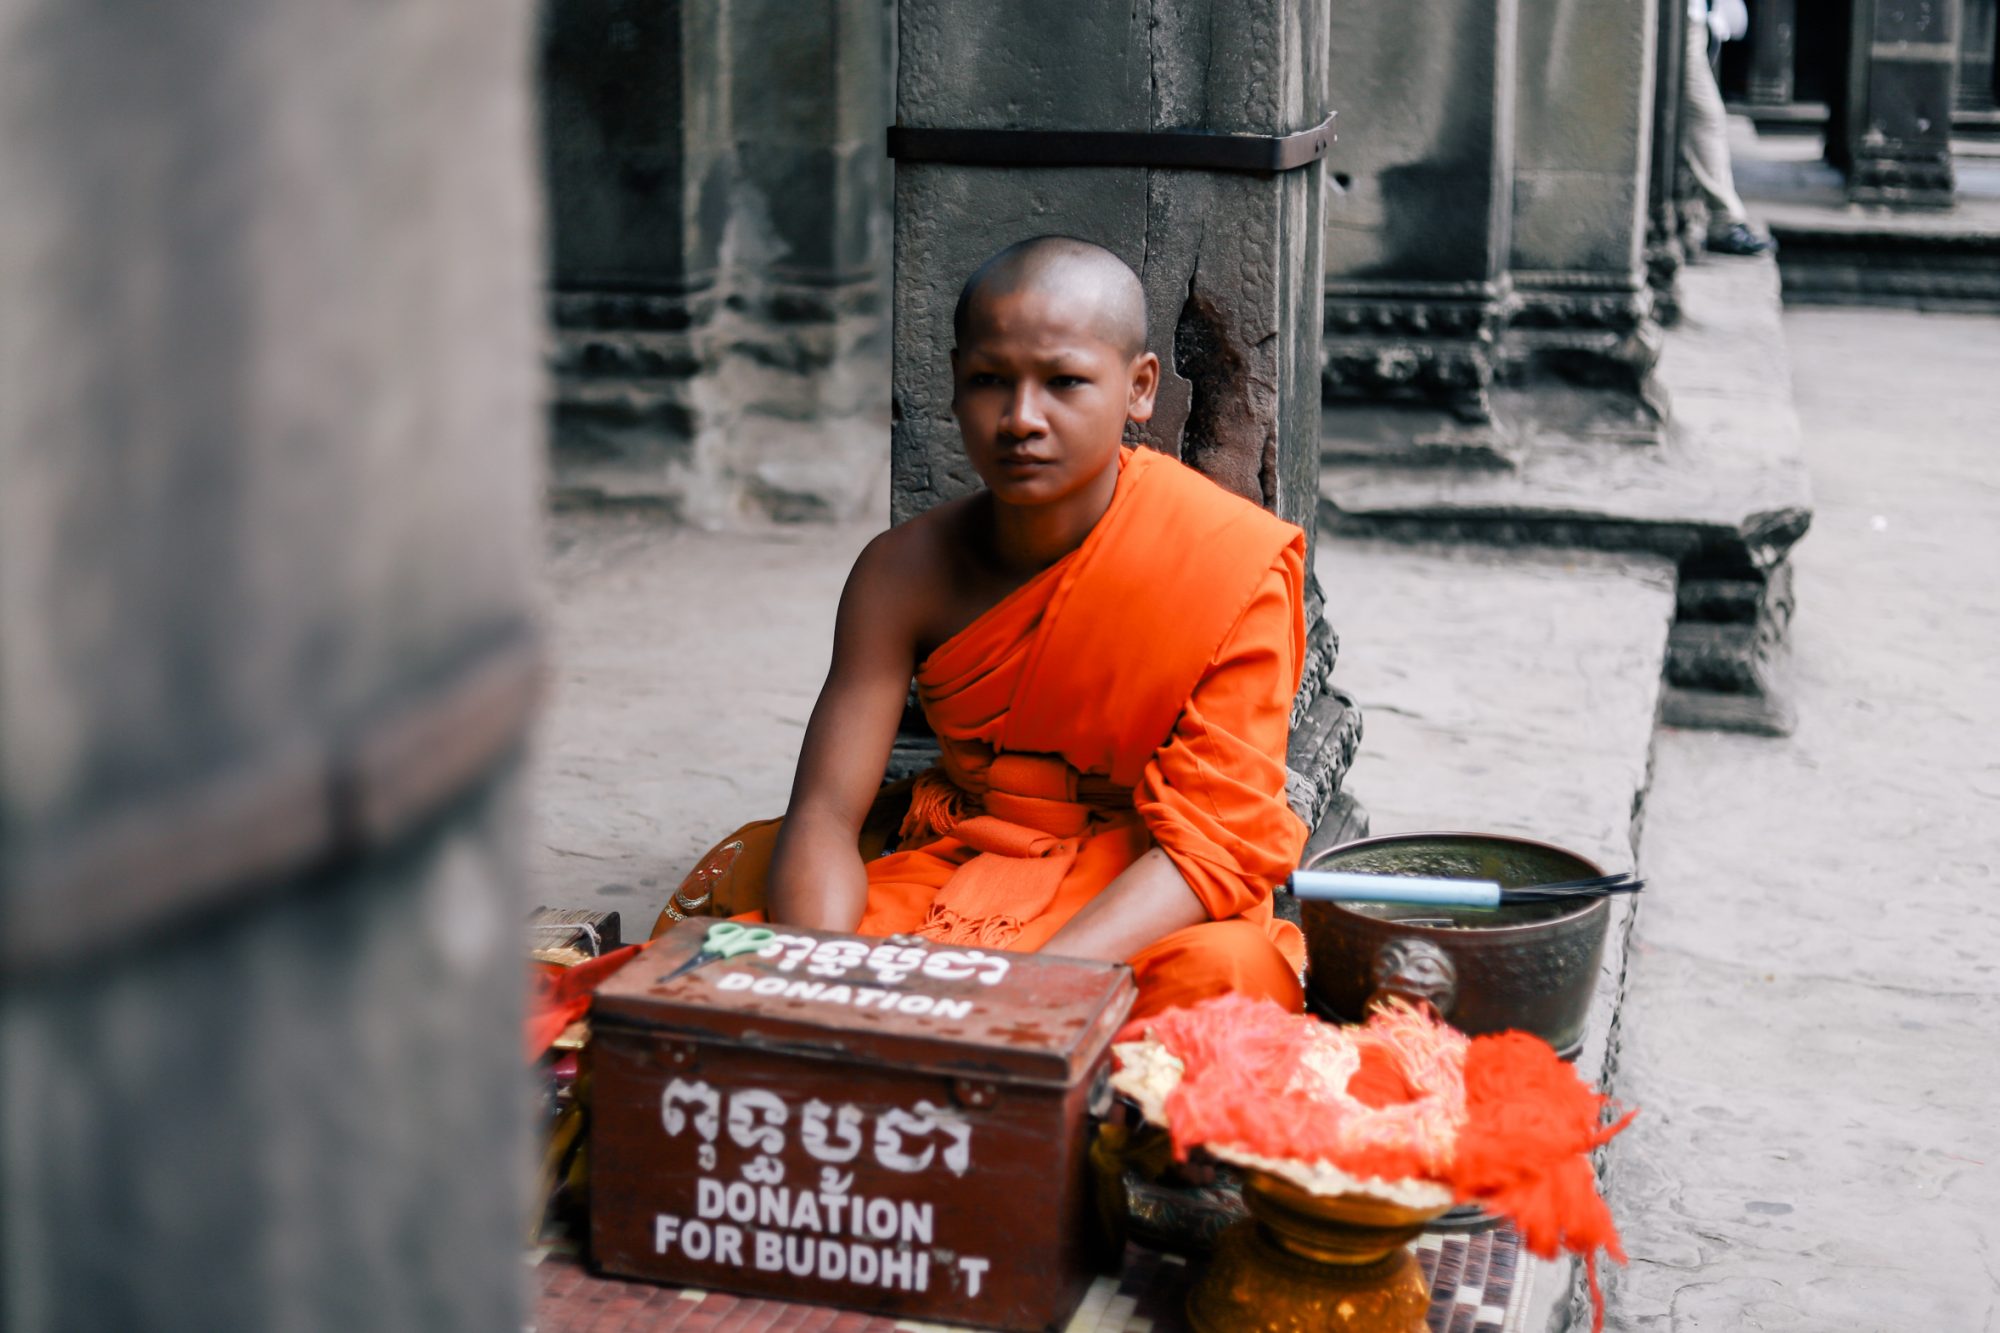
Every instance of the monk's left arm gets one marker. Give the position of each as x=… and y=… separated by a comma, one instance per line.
x=1213, y=797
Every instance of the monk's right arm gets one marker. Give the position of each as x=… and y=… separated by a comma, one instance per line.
x=817, y=877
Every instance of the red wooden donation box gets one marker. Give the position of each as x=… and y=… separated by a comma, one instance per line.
x=891, y=1125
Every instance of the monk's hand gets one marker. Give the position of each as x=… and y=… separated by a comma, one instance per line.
x=1146, y=903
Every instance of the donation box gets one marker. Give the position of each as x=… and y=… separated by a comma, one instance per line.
x=890, y=1125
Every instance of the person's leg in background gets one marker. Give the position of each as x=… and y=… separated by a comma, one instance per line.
x=1705, y=151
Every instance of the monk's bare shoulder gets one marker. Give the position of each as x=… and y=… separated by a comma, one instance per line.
x=913, y=576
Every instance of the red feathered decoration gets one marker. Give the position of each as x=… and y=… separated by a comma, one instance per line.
x=1524, y=1152
x=558, y=996
x=1496, y=1120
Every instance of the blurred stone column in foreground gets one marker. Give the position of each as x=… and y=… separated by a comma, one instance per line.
x=719, y=238
x=1231, y=259
x=270, y=406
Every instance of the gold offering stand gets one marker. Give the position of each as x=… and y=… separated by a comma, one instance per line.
x=1312, y=1263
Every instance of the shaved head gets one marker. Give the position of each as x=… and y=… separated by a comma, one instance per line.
x=1082, y=275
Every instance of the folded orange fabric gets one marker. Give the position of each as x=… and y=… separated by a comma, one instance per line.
x=1136, y=693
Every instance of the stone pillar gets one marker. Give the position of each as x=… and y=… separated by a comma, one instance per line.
x=1774, y=41
x=1667, y=238
x=719, y=240
x=270, y=451
x=1979, y=35
x=1894, y=130
x=1418, y=225
x=1231, y=261
x=1582, y=143
x=810, y=96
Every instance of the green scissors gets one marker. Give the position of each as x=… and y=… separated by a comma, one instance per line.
x=725, y=939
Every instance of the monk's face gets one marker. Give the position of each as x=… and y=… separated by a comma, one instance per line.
x=1042, y=396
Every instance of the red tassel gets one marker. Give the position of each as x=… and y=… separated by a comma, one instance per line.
x=1530, y=1126
x=561, y=995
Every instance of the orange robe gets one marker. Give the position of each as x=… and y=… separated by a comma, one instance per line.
x=1136, y=693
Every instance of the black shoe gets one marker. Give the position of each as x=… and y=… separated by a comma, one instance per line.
x=1740, y=240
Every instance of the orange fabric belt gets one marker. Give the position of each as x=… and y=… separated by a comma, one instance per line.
x=1027, y=838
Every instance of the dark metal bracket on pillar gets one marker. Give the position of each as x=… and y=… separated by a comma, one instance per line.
x=1192, y=150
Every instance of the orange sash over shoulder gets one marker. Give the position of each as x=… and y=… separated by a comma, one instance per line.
x=1134, y=694
x=1137, y=616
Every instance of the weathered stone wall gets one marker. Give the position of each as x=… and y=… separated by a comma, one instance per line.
x=720, y=246
x=270, y=396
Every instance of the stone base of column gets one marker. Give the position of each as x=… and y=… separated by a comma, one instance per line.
x=1594, y=330
x=1426, y=343
x=1435, y=380
x=767, y=402
x=1914, y=181
x=1728, y=657
x=1326, y=722
x=1665, y=256
x=1408, y=371
x=1675, y=228
x=1474, y=376
x=1766, y=92
x=1788, y=118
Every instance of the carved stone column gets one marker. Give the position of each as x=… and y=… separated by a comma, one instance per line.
x=1231, y=260
x=718, y=232
x=1774, y=43
x=1667, y=239
x=1418, y=223
x=1979, y=35
x=1893, y=132
x=1583, y=138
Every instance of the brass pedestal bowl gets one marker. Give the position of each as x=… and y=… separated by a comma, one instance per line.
x=1310, y=1263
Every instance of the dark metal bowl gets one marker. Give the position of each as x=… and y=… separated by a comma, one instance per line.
x=1532, y=968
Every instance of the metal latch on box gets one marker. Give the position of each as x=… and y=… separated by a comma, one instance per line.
x=974, y=1094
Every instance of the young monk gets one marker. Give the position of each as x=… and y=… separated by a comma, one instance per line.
x=1107, y=645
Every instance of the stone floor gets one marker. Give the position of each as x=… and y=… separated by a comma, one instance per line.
x=685, y=666
x=1786, y=172
x=1836, y=253
x=1506, y=690
x=1475, y=1281
x=1814, y=997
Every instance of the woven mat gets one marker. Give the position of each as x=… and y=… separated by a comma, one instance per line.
x=1475, y=1288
